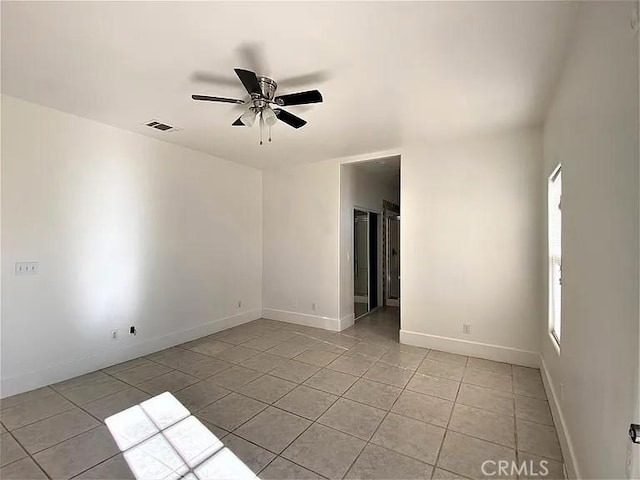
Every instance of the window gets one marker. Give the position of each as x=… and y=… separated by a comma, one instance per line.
x=555, y=253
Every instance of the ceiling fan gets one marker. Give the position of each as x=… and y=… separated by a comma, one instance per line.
x=262, y=91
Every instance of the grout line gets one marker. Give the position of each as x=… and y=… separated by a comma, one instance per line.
x=28, y=455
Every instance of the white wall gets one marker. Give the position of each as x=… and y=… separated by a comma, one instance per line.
x=300, y=253
x=470, y=241
x=359, y=188
x=592, y=129
x=127, y=231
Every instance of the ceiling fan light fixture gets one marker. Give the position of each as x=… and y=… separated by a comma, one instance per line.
x=269, y=116
x=248, y=117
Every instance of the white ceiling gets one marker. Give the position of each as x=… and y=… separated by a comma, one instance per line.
x=387, y=71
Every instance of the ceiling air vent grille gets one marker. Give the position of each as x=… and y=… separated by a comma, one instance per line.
x=163, y=127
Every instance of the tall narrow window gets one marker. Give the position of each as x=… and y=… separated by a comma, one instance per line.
x=555, y=252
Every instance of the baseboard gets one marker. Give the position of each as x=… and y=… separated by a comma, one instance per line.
x=305, y=319
x=473, y=349
x=570, y=463
x=347, y=321
x=63, y=371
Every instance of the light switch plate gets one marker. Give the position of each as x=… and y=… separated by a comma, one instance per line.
x=27, y=268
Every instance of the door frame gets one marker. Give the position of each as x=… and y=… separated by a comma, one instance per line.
x=379, y=258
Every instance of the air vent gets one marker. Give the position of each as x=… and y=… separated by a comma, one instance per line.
x=163, y=127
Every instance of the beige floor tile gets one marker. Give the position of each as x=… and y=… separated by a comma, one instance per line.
x=142, y=373
x=434, y=386
x=287, y=349
x=539, y=468
x=35, y=410
x=80, y=381
x=201, y=394
x=306, y=402
x=372, y=393
x=465, y=455
x=267, y=388
x=25, y=469
x=2, y=429
x=205, y=368
x=282, y=469
x=410, y=437
x=121, y=367
x=262, y=343
x=485, y=378
x=389, y=374
x=232, y=411
x=10, y=450
x=538, y=439
x=93, y=390
x=263, y=362
x=489, y=365
x=317, y=356
x=331, y=381
x=425, y=408
x=452, y=371
x=254, y=457
x=374, y=350
x=236, y=337
x=115, y=403
x=533, y=409
x=53, y=430
x=169, y=382
x=235, y=377
x=417, y=351
x=440, y=474
x=294, y=371
x=445, y=357
x=325, y=451
x=402, y=359
x=486, y=398
x=483, y=424
x=353, y=365
x=273, y=429
x=114, y=468
x=26, y=397
x=176, y=357
x=77, y=454
x=210, y=347
x=353, y=418
x=237, y=354
x=529, y=386
x=378, y=463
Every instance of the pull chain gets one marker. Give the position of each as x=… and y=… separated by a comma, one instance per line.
x=261, y=125
x=269, y=133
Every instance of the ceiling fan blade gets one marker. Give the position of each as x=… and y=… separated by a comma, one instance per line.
x=238, y=123
x=249, y=80
x=217, y=99
x=289, y=118
x=301, y=98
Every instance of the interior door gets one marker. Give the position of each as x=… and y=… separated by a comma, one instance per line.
x=393, y=229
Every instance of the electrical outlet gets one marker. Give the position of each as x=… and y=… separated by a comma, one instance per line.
x=114, y=334
x=26, y=268
x=132, y=330
x=466, y=328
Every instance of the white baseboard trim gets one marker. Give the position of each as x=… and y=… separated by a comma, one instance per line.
x=347, y=321
x=305, y=319
x=473, y=349
x=570, y=464
x=63, y=371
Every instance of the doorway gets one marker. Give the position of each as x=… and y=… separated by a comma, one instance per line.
x=365, y=262
x=392, y=258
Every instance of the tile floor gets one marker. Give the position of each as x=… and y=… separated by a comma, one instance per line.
x=298, y=403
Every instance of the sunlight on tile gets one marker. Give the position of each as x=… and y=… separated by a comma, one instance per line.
x=160, y=439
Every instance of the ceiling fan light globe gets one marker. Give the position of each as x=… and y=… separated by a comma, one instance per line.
x=269, y=117
x=248, y=118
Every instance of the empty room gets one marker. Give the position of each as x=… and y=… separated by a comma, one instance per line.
x=320, y=240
